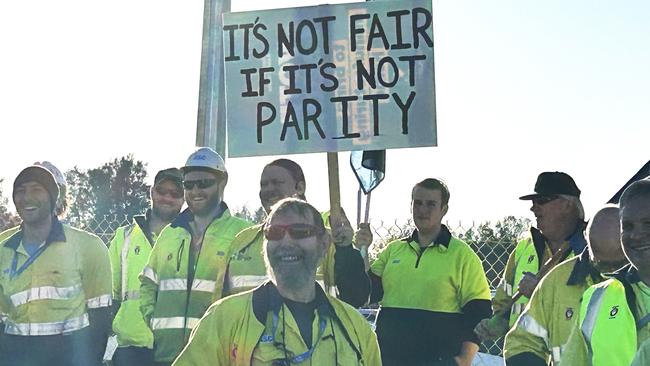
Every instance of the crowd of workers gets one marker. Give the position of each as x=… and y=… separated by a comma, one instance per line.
x=203, y=287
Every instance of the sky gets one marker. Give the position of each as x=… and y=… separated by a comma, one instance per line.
x=521, y=87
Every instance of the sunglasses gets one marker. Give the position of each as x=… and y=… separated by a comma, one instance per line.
x=544, y=200
x=201, y=183
x=173, y=193
x=296, y=231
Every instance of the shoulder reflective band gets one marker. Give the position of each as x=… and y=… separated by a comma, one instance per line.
x=589, y=322
x=14, y=263
x=123, y=260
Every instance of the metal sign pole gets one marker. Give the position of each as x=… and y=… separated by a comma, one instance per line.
x=211, y=121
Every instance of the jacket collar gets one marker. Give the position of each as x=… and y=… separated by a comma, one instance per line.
x=143, y=221
x=582, y=269
x=444, y=237
x=184, y=218
x=56, y=234
x=267, y=298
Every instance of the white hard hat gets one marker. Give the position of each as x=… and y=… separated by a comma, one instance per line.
x=205, y=157
x=58, y=176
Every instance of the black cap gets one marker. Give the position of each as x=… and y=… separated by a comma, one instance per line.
x=38, y=174
x=172, y=174
x=553, y=183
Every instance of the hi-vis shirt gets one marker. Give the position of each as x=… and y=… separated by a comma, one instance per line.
x=50, y=292
x=176, y=290
x=431, y=297
x=129, y=252
x=544, y=327
x=614, y=320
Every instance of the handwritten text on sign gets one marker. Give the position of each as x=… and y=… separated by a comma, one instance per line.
x=330, y=78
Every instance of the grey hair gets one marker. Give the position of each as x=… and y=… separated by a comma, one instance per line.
x=577, y=204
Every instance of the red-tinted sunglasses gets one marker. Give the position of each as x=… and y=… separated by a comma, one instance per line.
x=296, y=231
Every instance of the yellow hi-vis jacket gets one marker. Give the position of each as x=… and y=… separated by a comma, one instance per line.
x=175, y=290
x=543, y=329
x=51, y=292
x=237, y=330
x=529, y=256
x=612, y=323
x=129, y=252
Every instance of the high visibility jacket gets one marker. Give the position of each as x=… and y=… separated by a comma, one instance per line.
x=246, y=268
x=526, y=258
x=175, y=290
x=51, y=294
x=237, y=331
x=129, y=252
x=546, y=323
x=431, y=298
x=612, y=323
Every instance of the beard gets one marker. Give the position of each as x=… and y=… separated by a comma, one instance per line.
x=206, y=208
x=293, y=275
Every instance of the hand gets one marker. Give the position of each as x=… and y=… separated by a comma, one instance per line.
x=527, y=284
x=341, y=229
x=363, y=236
x=491, y=329
x=462, y=361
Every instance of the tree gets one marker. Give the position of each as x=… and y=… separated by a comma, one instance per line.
x=115, y=191
x=256, y=217
x=494, y=242
x=7, y=218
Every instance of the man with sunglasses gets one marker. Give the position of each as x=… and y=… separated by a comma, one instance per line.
x=129, y=251
x=341, y=272
x=558, y=235
x=542, y=331
x=290, y=319
x=178, y=281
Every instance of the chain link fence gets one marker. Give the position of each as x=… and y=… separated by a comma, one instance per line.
x=491, y=241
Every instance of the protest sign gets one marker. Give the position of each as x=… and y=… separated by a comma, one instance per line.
x=330, y=78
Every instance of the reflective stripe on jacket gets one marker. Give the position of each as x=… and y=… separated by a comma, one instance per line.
x=129, y=252
x=170, y=300
x=52, y=294
x=545, y=325
x=231, y=334
x=609, y=327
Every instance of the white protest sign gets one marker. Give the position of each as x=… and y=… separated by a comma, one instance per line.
x=330, y=78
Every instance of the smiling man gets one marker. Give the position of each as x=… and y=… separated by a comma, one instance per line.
x=54, y=283
x=290, y=319
x=341, y=272
x=129, y=252
x=178, y=281
x=614, y=315
x=559, y=229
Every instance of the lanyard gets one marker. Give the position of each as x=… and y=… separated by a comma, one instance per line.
x=270, y=338
x=14, y=263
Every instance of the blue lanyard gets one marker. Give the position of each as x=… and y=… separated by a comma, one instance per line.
x=14, y=263
x=270, y=338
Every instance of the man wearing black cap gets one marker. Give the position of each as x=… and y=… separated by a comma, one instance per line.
x=129, y=252
x=558, y=234
x=55, y=287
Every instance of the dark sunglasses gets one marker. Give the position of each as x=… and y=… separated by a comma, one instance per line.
x=544, y=200
x=296, y=231
x=201, y=183
x=174, y=193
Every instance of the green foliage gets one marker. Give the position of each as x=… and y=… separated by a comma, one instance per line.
x=7, y=218
x=256, y=217
x=116, y=190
